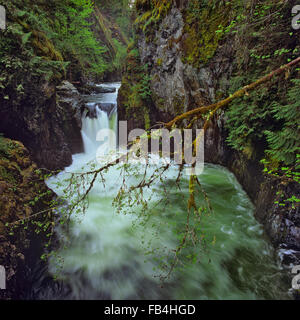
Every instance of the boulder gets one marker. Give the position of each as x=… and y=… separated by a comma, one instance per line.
x=96, y=89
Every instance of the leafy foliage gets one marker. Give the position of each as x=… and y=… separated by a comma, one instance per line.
x=65, y=31
x=266, y=120
x=20, y=67
x=74, y=37
x=248, y=117
x=284, y=144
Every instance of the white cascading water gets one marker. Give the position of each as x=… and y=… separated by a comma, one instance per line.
x=90, y=128
x=106, y=257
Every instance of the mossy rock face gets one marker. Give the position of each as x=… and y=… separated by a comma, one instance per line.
x=179, y=104
x=150, y=15
x=201, y=32
x=21, y=181
x=175, y=41
x=176, y=47
x=22, y=194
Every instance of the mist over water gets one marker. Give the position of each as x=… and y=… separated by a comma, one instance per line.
x=106, y=256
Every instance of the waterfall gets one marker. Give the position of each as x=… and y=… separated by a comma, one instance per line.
x=90, y=128
x=102, y=115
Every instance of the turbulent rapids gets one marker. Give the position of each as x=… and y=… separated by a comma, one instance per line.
x=111, y=255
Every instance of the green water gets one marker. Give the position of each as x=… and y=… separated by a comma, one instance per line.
x=107, y=260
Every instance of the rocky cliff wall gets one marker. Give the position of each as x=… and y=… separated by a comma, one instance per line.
x=48, y=121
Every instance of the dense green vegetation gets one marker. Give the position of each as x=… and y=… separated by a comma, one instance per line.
x=62, y=39
x=284, y=143
x=267, y=120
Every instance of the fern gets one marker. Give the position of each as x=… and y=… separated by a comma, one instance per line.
x=260, y=121
x=284, y=144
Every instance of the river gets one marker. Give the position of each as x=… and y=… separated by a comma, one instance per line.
x=112, y=256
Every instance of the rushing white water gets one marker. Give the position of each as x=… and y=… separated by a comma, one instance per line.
x=106, y=257
x=90, y=128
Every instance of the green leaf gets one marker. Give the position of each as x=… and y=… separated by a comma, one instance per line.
x=25, y=38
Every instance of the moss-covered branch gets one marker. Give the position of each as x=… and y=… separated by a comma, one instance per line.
x=198, y=112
